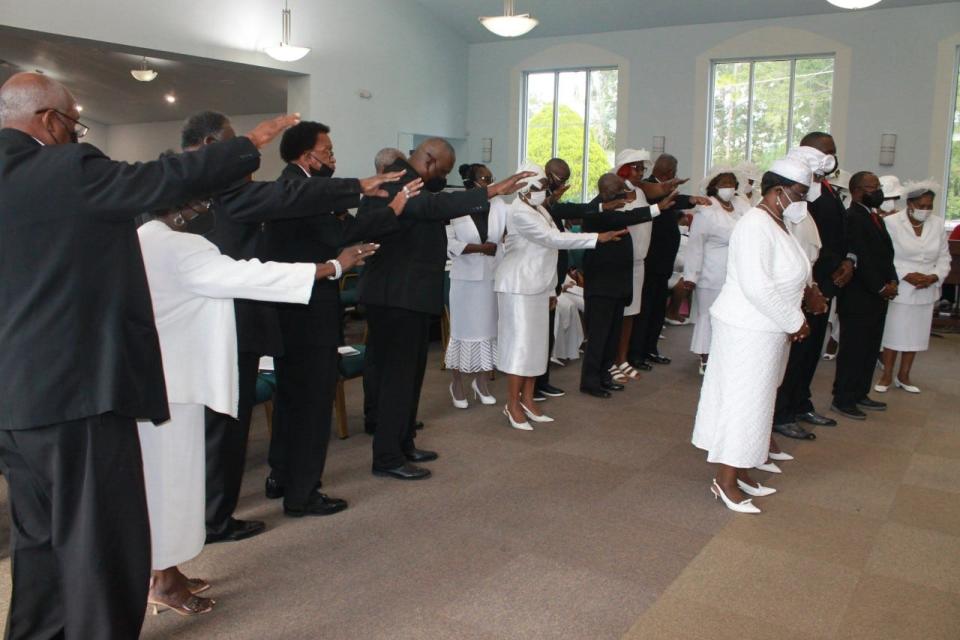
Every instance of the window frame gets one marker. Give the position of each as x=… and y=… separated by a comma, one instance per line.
x=524, y=103
x=952, y=130
x=752, y=60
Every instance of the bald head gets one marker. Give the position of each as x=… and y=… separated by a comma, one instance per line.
x=24, y=94
x=433, y=159
x=610, y=185
x=665, y=168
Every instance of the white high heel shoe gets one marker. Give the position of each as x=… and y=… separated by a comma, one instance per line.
x=746, y=506
x=459, y=404
x=523, y=426
x=782, y=456
x=881, y=388
x=478, y=395
x=534, y=417
x=758, y=491
x=906, y=387
x=769, y=467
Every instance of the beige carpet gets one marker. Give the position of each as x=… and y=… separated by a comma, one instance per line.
x=601, y=526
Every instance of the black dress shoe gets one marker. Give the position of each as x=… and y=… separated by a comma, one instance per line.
x=849, y=412
x=538, y=396
x=420, y=455
x=550, y=391
x=272, y=488
x=793, y=430
x=611, y=386
x=596, y=393
x=812, y=417
x=403, y=472
x=656, y=358
x=640, y=366
x=237, y=530
x=871, y=405
x=320, y=504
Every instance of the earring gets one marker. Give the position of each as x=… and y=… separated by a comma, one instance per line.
x=178, y=220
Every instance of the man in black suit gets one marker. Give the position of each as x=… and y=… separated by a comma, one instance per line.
x=608, y=285
x=658, y=265
x=241, y=211
x=307, y=371
x=863, y=303
x=402, y=289
x=81, y=359
x=832, y=271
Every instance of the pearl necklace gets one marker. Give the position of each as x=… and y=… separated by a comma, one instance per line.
x=770, y=211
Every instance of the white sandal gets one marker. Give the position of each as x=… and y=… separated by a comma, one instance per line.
x=628, y=371
x=617, y=375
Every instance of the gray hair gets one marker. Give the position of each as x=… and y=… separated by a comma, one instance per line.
x=386, y=157
x=26, y=93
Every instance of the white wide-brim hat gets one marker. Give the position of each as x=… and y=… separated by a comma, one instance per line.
x=891, y=187
x=629, y=156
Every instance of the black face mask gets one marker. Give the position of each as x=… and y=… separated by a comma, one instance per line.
x=201, y=225
x=323, y=172
x=435, y=185
x=873, y=199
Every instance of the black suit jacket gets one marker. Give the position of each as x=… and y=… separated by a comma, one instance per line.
x=608, y=268
x=830, y=215
x=77, y=333
x=665, y=235
x=241, y=211
x=318, y=239
x=867, y=237
x=407, y=271
x=567, y=211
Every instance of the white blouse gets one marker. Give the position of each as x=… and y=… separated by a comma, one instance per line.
x=768, y=271
x=640, y=233
x=705, y=261
x=928, y=253
x=463, y=231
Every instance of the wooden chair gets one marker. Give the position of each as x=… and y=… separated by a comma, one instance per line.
x=351, y=366
x=266, y=388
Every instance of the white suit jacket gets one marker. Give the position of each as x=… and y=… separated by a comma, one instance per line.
x=705, y=260
x=463, y=231
x=927, y=253
x=192, y=286
x=529, y=263
x=640, y=234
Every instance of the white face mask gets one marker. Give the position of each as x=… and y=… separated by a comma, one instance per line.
x=828, y=165
x=536, y=198
x=920, y=215
x=888, y=206
x=726, y=194
x=795, y=212
x=813, y=194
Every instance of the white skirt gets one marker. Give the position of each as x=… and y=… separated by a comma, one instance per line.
x=473, y=326
x=735, y=414
x=703, y=299
x=523, y=341
x=174, y=472
x=634, y=307
x=907, y=327
x=567, y=328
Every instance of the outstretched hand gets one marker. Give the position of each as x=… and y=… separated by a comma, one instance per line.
x=702, y=201
x=355, y=255
x=668, y=200
x=508, y=186
x=370, y=187
x=611, y=236
x=265, y=132
x=410, y=190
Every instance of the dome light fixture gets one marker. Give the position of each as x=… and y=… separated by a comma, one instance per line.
x=143, y=74
x=170, y=98
x=509, y=25
x=853, y=4
x=286, y=52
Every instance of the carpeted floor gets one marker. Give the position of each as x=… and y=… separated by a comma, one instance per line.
x=601, y=525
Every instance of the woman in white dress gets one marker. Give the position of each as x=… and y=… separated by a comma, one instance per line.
x=192, y=287
x=921, y=256
x=525, y=280
x=756, y=315
x=472, y=243
x=567, y=326
x=705, y=258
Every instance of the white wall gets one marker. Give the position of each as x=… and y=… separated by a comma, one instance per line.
x=414, y=65
x=146, y=141
x=891, y=82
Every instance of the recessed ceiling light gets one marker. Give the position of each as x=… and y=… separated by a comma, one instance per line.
x=80, y=108
x=170, y=98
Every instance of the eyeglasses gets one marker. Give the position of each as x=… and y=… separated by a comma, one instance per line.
x=557, y=179
x=485, y=179
x=78, y=127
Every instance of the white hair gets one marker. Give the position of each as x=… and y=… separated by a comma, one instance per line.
x=386, y=157
x=22, y=96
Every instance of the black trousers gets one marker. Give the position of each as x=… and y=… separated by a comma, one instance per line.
x=80, y=533
x=604, y=318
x=648, y=324
x=227, y=448
x=544, y=379
x=860, y=339
x=302, y=413
x=793, y=396
x=399, y=339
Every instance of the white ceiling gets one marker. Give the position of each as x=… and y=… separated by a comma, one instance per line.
x=98, y=74
x=575, y=17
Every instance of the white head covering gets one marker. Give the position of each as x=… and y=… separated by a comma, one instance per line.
x=747, y=171
x=793, y=169
x=916, y=188
x=629, y=156
x=891, y=187
x=813, y=158
x=842, y=181
x=534, y=180
x=714, y=171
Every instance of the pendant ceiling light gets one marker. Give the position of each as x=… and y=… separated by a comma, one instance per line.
x=853, y=4
x=286, y=52
x=509, y=25
x=143, y=74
